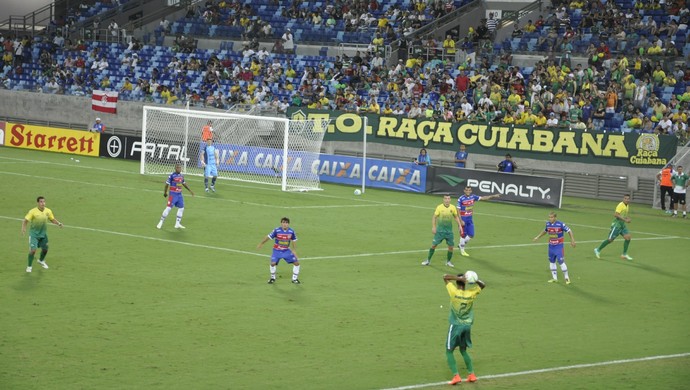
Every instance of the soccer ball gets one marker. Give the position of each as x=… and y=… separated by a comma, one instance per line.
x=471, y=277
x=358, y=192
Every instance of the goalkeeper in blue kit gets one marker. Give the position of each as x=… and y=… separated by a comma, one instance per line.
x=209, y=160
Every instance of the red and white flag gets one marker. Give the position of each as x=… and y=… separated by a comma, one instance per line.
x=104, y=101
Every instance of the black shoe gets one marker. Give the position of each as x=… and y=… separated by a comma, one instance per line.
x=296, y=281
x=271, y=281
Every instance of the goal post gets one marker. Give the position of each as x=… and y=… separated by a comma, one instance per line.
x=255, y=149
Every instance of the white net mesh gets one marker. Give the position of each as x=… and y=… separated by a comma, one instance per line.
x=253, y=149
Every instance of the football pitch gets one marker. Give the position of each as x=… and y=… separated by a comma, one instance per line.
x=125, y=305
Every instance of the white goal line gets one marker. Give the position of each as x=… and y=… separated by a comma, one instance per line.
x=552, y=369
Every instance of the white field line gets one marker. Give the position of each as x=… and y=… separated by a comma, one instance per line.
x=370, y=203
x=372, y=254
x=474, y=248
x=552, y=369
x=218, y=248
x=119, y=187
x=230, y=183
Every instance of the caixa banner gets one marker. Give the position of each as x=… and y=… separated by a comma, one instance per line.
x=537, y=190
x=395, y=175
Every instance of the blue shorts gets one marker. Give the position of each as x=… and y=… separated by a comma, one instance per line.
x=468, y=229
x=287, y=255
x=175, y=200
x=211, y=171
x=556, y=253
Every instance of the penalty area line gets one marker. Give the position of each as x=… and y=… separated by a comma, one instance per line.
x=218, y=248
x=347, y=256
x=472, y=248
x=552, y=369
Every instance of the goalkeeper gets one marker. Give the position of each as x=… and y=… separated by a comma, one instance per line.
x=209, y=160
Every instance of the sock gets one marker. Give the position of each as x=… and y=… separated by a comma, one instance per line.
x=431, y=253
x=31, y=259
x=44, y=253
x=206, y=182
x=213, y=182
x=467, y=239
x=272, y=269
x=564, y=268
x=452, y=364
x=675, y=212
x=603, y=245
x=468, y=360
x=626, y=244
x=462, y=243
x=165, y=213
x=179, y=216
x=295, y=272
x=449, y=255
x=554, y=271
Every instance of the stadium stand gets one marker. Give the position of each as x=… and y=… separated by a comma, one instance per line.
x=617, y=89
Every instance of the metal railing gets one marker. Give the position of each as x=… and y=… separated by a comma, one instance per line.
x=514, y=16
x=85, y=29
x=394, y=47
x=31, y=24
x=445, y=19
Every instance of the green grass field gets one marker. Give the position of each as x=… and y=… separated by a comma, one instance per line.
x=125, y=305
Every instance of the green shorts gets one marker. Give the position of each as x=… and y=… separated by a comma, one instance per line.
x=38, y=242
x=459, y=336
x=618, y=230
x=440, y=236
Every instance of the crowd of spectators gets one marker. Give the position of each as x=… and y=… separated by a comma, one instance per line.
x=391, y=21
x=627, y=91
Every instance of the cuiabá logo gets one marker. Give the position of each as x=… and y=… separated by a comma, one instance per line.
x=648, y=142
x=298, y=115
x=648, y=151
x=452, y=181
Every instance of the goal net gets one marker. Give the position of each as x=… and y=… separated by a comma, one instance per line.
x=254, y=149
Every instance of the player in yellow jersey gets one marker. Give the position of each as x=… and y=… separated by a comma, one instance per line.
x=442, y=227
x=462, y=297
x=618, y=228
x=37, y=218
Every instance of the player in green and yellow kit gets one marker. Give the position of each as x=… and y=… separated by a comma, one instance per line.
x=462, y=297
x=618, y=228
x=442, y=227
x=38, y=218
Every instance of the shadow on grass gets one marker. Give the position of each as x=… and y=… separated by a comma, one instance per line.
x=29, y=281
x=644, y=267
x=494, y=266
x=289, y=291
x=587, y=293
